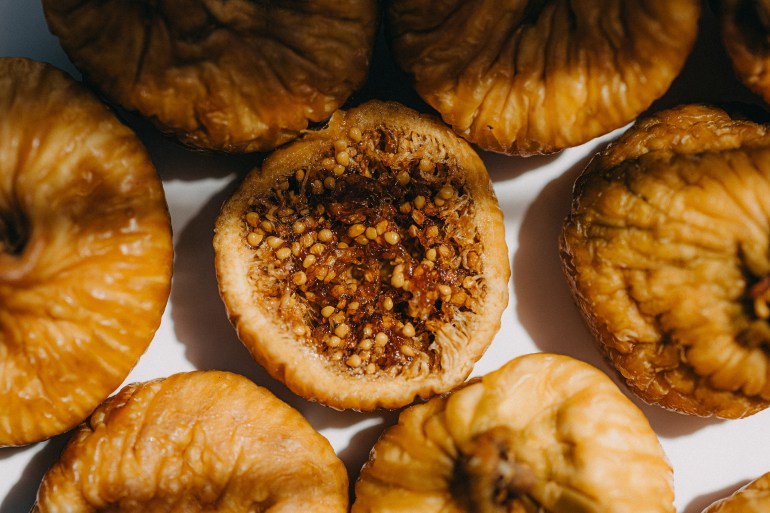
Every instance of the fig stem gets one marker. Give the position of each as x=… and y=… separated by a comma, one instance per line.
x=494, y=477
x=760, y=294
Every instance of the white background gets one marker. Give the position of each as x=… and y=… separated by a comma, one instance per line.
x=711, y=458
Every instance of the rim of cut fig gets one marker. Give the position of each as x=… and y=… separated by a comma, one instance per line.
x=195, y=441
x=673, y=217
x=365, y=264
x=239, y=76
x=535, y=77
x=544, y=432
x=85, y=251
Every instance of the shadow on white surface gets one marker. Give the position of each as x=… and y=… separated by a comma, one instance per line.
x=701, y=502
x=21, y=496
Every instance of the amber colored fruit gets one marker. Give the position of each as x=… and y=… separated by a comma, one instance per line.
x=752, y=498
x=366, y=264
x=235, y=76
x=666, y=252
x=745, y=30
x=200, y=441
x=85, y=252
x=532, y=77
x=544, y=432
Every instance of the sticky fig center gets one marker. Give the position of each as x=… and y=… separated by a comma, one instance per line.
x=489, y=476
x=758, y=331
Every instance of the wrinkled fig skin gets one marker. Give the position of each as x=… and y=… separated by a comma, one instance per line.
x=745, y=28
x=544, y=433
x=85, y=252
x=201, y=441
x=532, y=77
x=235, y=76
x=666, y=252
x=752, y=498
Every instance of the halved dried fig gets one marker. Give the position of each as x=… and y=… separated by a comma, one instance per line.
x=198, y=441
x=745, y=29
x=85, y=252
x=531, y=77
x=667, y=252
x=237, y=76
x=366, y=264
x=752, y=498
x=544, y=433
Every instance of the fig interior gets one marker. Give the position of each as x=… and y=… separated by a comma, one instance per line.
x=372, y=252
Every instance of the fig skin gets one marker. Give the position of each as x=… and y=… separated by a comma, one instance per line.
x=312, y=339
x=745, y=31
x=237, y=76
x=544, y=432
x=752, y=498
x=85, y=252
x=666, y=253
x=199, y=441
x=532, y=77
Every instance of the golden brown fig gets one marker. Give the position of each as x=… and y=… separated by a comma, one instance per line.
x=752, y=498
x=85, y=252
x=544, y=433
x=745, y=28
x=200, y=441
x=366, y=264
x=536, y=76
x=237, y=76
x=666, y=252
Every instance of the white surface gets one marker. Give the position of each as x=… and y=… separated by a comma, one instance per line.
x=710, y=458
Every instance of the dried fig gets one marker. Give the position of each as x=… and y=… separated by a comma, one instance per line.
x=85, y=252
x=531, y=77
x=366, y=263
x=543, y=433
x=666, y=252
x=237, y=76
x=745, y=28
x=752, y=498
x=199, y=441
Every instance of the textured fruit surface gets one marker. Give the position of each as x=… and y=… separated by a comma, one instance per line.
x=543, y=433
x=366, y=264
x=745, y=28
x=200, y=441
x=530, y=77
x=667, y=253
x=235, y=76
x=85, y=252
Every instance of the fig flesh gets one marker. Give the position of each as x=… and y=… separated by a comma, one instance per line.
x=366, y=264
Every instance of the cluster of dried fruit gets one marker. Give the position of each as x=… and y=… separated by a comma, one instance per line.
x=365, y=263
